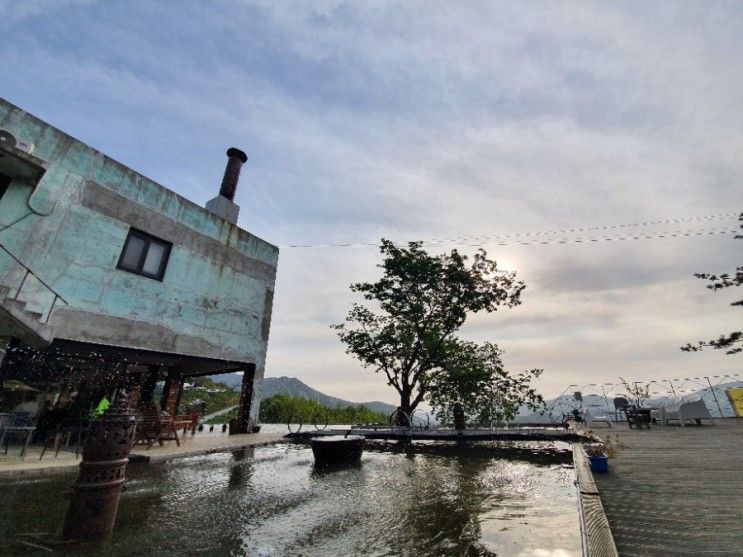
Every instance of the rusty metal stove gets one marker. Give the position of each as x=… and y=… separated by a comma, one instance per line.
x=95, y=499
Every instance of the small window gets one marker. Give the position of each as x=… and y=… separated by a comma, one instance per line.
x=145, y=255
x=4, y=182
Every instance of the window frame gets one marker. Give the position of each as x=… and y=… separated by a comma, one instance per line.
x=149, y=239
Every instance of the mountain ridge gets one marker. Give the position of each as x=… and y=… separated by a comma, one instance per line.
x=716, y=400
x=292, y=386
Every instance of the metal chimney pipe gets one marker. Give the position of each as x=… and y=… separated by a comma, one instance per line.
x=235, y=159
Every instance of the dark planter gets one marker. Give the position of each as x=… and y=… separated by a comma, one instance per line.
x=337, y=449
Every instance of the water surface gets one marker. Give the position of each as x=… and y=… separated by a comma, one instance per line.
x=427, y=499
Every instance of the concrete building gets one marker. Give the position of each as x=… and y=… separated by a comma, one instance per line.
x=114, y=280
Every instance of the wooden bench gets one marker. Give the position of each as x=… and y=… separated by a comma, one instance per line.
x=188, y=421
x=155, y=425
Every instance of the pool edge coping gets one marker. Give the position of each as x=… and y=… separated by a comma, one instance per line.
x=595, y=532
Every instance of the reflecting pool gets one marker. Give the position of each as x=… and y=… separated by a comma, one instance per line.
x=418, y=500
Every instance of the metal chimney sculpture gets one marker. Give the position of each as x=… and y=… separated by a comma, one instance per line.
x=223, y=205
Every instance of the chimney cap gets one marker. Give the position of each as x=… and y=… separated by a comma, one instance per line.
x=235, y=152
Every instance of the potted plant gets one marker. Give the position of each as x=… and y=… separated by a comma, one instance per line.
x=637, y=392
x=598, y=454
x=597, y=457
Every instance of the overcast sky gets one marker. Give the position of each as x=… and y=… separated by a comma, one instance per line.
x=418, y=120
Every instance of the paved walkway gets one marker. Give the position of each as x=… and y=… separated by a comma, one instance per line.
x=676, y=491
x=218, y=413
x=202, y=443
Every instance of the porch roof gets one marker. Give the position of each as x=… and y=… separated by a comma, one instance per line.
x=83, y=353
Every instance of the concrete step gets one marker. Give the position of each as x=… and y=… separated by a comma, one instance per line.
x=17, y=304
x=21, y=305
x=24, y=324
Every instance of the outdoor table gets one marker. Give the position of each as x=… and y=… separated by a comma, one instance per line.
x=645, y=412
x=638, y=416
x=13, y=429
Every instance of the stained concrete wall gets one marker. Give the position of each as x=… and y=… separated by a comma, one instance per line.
x=215, y=298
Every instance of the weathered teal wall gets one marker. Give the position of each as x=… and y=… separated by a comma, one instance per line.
x=216, y=293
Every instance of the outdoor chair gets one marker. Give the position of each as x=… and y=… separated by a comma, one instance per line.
x=16, y=427
x=686, y=411
x=637, y=417
x=620, y=404
x=572, y=418
x=188, y=421
x=66, y=432
x=591, y=418
x=6, y=421
x=155, y=425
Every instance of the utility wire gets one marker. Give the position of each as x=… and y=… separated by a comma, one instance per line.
x=721, y=216
x=527, y=238
x=588, y=240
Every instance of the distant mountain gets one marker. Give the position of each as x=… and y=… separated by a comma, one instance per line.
x=294, y=387
x=232, y=380
x=716, y=401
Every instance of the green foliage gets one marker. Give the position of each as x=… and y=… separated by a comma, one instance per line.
x=422, y=301
x=473, y=375
x=732, y=343
x=222, y=397
x=280, y=409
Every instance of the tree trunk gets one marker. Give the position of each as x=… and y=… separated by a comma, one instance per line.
x=403, y=420
x=405, y=402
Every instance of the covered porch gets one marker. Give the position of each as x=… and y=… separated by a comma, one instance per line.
x=67, y=381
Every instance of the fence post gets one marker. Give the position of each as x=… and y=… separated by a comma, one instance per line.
x=712, y=390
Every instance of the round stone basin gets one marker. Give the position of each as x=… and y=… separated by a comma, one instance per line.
x=337, y=449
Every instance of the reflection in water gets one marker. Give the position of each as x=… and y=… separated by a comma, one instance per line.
x=320, y=470
x=241, y=470
x=443, y=505
x=420, y=499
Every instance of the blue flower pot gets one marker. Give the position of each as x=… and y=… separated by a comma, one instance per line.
x=599, y=464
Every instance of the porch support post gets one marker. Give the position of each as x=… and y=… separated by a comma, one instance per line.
x=148, y=390
x=246, y=400
x=133, y=386
x=172, y=391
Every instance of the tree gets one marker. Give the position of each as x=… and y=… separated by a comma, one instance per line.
x=473, y=376
x=732, y=343
x=636, y=391
x=421, y=302
x=281, y=408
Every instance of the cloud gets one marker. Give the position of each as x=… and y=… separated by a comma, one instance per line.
x=418, y=120
x=13, y=13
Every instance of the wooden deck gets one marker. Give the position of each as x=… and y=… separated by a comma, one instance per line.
x=676, y=491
